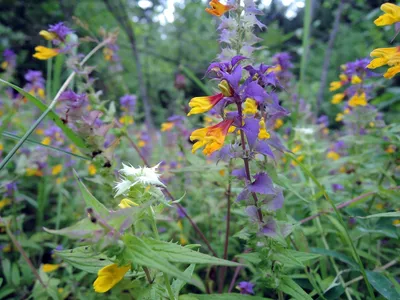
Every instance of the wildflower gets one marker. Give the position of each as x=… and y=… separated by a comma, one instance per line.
x=335, y=85
x=246, y=287
x=47, y=268
x=386, y=56
x=108, y=277
x=355, y=79
x=263, y=133
x=132, y=176
x=278, y=124
x=128, y=102
x=35, y=85
x=217, y=8
x=333, y=155
x=126, y=203
x=250, y=106
x=57, y=31
x=396, y=222
x=339, y=117
x=337, y=187
x=337, y=98
x=4, y=202
x=92, y=169
x=212, y=138
x=390, y=149
x=391, y=16
x=56, y=169
x=358, y=100
x=44, y=53
x=126, y=120
x=9, y=59
x=167, y=126
x=202, y=104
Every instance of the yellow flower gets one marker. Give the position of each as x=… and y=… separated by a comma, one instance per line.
x=337, y=98
x=1, y=147
x=275, y=69
x=108, y=277
x=44, y=53
x=46, y=141
x=250, y=106
x=391, y=16
x=355, y=80
x=126, y=203
x=60, y=180
x=221, y=172
x=48, y=35
x=127, y=120
x=358, y=100
x=263, y=134
x=339, y=117
x=167, y=126
x=343, y=77
x=396, y=222
x=217, y=9
x=278, y=123
x=392, y=71
x=325, y=131
x=92, y=169
x=335, y=85
x=333, y=155
x=47, y=268
x=39, y=131
x=141, y=144
x=296, y=148
x=7, y=248
x=4, y=203
x=200, y=105
x=108, y=54
x=390, y=149
x=4, y=65
x=379, y=206
x=56, y=169
x=346, y=111
x=33, y=172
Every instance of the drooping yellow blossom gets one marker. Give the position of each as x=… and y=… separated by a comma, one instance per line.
x=47, y=268
x=217, y=8
x=333, y=155
x=250, y=106
x=167, y=126
x=278, y=123
x=56, y=169
x=343, y=77
x=391, y=16
x=108, y=277
x=212, y=138
x=4, y=65
x=358, y=100
x=182, y=239
x=222, y=172
x=263, y=134
x=339, y=117
x=126, y=203
x=355, y=80
x=4, y=202
x=335, y=85
x=325, y=131
x=92, y=169
x=48, y=35
x=346, y=111
x=386, y=56
x=337, y=98
x=371, y=124
x=44, y=53
x=7, y=248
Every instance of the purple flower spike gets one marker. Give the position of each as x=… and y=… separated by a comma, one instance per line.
x=246, y=287
x=61, y=30
x=262, y=184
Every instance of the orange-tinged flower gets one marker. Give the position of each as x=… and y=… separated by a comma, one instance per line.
x=167, y=126
x=92, y=169
x=217, y=8
x=392, y=71
x=212, y=138
x=202, y=104
x=45, y=53
x=108, y=277
x=391, y=16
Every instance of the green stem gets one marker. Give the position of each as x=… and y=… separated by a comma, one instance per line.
x=305, y=44
x=340, y=219
x=49, y=108
x=48, y=79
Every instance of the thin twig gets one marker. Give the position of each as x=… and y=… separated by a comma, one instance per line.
x=234, y=278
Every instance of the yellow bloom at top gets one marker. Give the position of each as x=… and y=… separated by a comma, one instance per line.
x=358, y=100
x=250, y=106
x=126, y=203
x=48, y=35
x=263, y=134
x=386, y=56
x=44, y=53
x=339, y=117
x=217, y=8
x=391, y=15
x=108, y=277
x=167, y=126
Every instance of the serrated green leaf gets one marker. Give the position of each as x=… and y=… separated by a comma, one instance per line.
x=90, y=200
x=138, y=252
x=176, y=253
x=383, y=285
x=288, y=286
x=52, y=115
x=178, y=284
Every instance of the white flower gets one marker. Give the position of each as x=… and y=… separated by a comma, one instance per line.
x=132, y=176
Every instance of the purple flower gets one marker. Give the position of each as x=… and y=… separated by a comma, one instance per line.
x=262, y=184
x=323, y=120
x=128, y=102
x=60, y=30
x=246, y=287
x=181, y=212
x=337, y=187
x=35, y=77
x=11, y=188
x=73, y=99
x=10, y=58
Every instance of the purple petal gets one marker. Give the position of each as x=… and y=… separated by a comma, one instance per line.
x=262, y=184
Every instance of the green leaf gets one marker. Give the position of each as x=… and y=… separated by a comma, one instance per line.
x=83, y=228
x=221, y=297
x=15, y=276
x=90, y=200
x=292, y=258
x=138, y=252
x=340, y=256
x=39, y=104
x=392, y=214
x=84, y=258
x=288, y=286
x=178, y=284
x=176, y=253
x=6, y=266
x=383, y=285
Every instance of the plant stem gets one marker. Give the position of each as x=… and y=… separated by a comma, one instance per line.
x=340, y=219
x=48, y=77
x=49, y=108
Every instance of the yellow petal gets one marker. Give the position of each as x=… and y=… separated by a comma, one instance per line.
x=108, y=277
